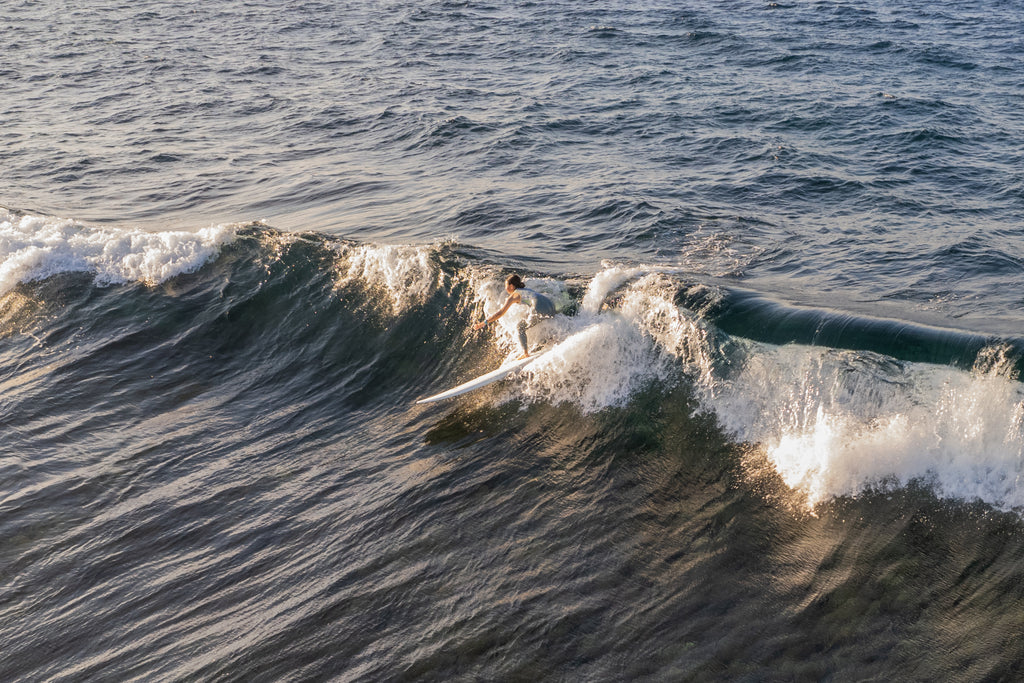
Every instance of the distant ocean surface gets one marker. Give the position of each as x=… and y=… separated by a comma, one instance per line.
x=780, y=431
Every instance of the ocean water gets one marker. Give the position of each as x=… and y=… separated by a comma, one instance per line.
x=779, y=434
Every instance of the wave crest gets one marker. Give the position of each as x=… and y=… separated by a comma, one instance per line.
x=404, y=276
x=37, y=247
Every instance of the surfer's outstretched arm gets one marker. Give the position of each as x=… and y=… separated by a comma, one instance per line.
x=512, y=298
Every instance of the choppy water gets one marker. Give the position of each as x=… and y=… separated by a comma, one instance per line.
x=780, y=432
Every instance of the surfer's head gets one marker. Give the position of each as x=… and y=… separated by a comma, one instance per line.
x=513, y=282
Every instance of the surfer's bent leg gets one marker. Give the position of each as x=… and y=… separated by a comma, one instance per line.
x=526, y=324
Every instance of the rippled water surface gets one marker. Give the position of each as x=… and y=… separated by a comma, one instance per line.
x=779, y=431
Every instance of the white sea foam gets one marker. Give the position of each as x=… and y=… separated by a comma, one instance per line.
x=405, y=275
x=605, y=282
x=648, y=304
x=36, y=247
x=839, y=423
x=598, y=367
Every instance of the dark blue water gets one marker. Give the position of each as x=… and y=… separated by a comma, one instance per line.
x=780, y=431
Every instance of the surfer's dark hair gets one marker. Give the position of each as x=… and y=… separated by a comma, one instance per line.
x=515, y=281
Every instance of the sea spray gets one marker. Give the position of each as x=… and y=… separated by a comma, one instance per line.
x=643, y=339
x=836, y=423
x=598, y=367
x=605, y=282
x=37, y=247
x=649, y=305
x=402, y=276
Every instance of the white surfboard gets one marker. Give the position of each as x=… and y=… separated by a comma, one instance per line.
x=483, y=380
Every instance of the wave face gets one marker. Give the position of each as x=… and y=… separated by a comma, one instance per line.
x=185, y=439
x=777, y=433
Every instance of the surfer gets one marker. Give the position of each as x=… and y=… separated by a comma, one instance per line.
x=518, y=293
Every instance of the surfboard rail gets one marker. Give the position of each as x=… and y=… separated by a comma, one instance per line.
x=501, y=373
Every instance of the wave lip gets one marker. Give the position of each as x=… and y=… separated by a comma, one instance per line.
x=37, y=247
